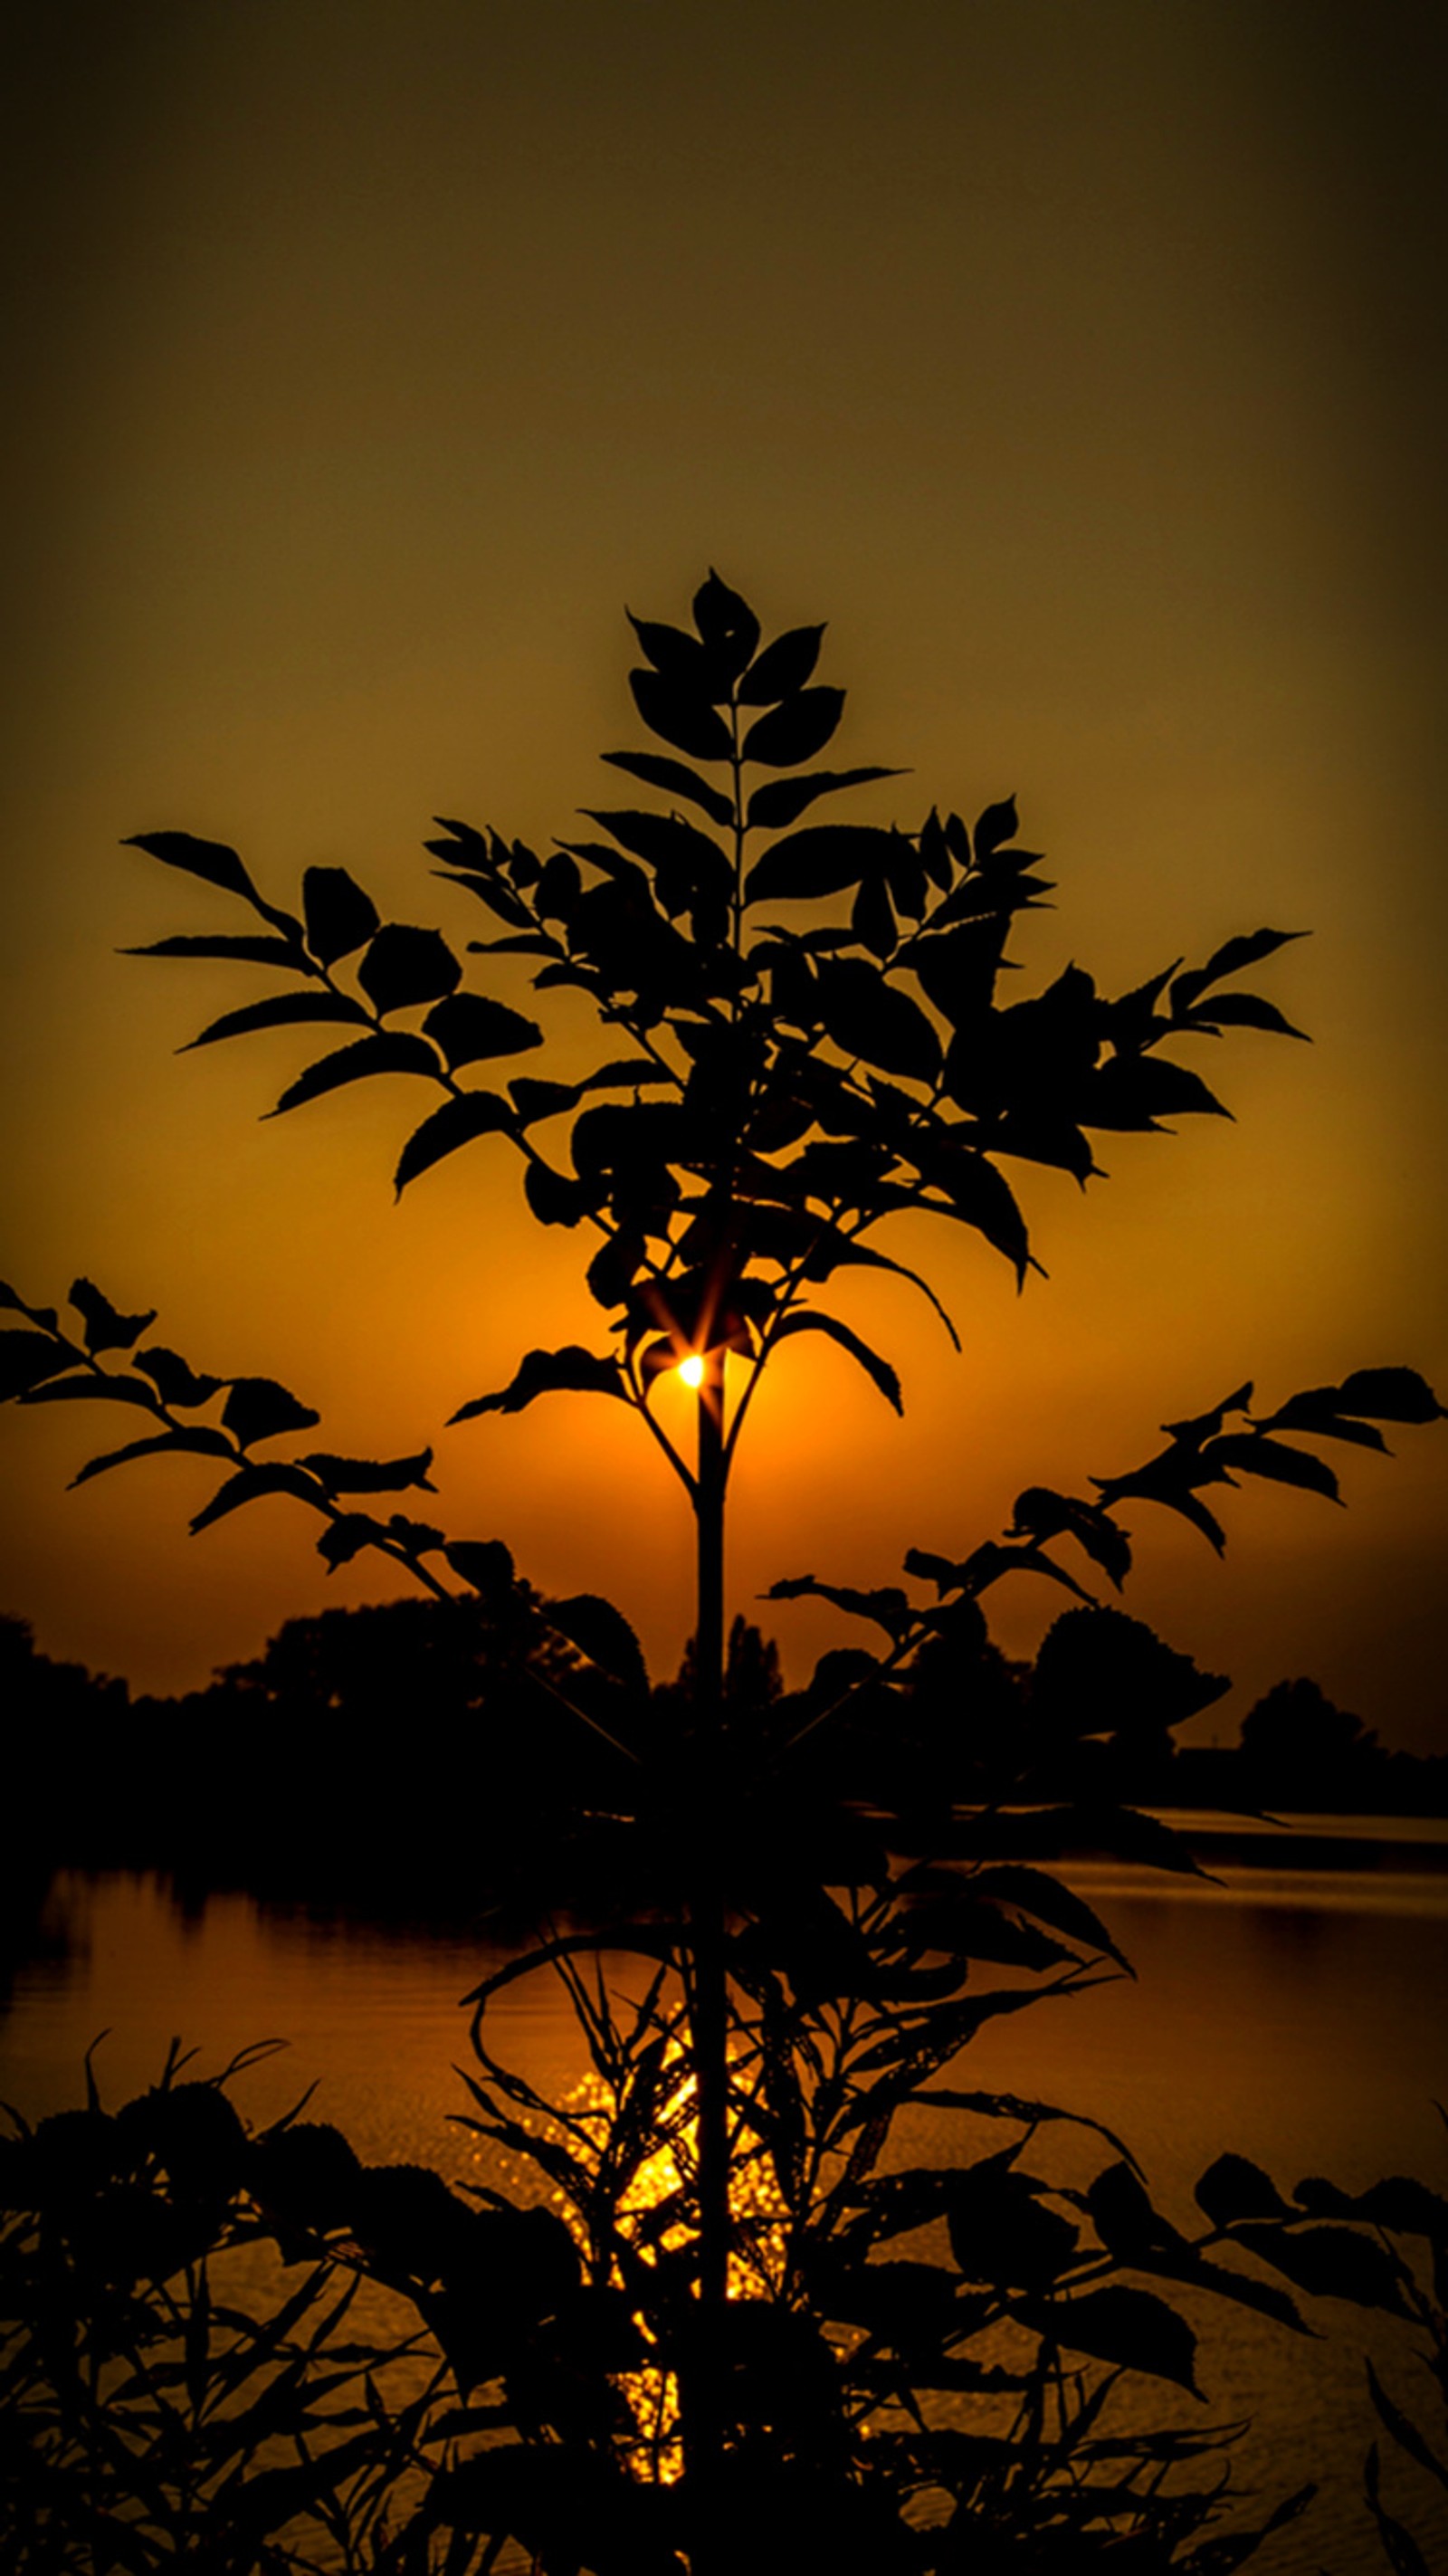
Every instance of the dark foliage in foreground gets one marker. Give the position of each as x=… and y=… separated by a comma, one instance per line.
x=747, y=2329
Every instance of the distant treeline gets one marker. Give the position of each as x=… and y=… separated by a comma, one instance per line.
x=414, y=1755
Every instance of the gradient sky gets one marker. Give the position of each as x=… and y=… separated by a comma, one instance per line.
x=1083, y=365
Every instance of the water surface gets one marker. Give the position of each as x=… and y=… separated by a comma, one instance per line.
x=1294, y=2012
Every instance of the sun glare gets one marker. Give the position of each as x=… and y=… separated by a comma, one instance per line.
x=691, y=1370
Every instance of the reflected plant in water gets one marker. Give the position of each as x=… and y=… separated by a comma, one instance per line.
x=762, y=2330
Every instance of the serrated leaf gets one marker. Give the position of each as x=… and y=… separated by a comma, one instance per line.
x=1318, y=1409
x=458, y=1122
x=1329, y=2262
x=823, y=859
x=492, y=890
x=105, y=1328
x=781, y=801
x=258, y=1408
x=471, y=1026
x=782, y=668
x=197, y=1442
x=628, y=1073
x=877, y=1370
x=1042, y=1514
x=84, y=1387
x=249, y=1485
x=28, y=1360
x=249, y=950
x=340, y=916
x=986, y=1565
x=1390, y=1395
x=278, y=1011
x=1036, y=1893
x=796, y=730
x=346, y=1536
x=1233, y=2187
x=1253, y=1455
x=604, y=1635
x=175, y=1381
x=887, y=1605
x=981, y=1197
x=1246, y=1011
x=485, y=1563
x=213, y=861
x=1229, y=959
x=571, y=1370
x=672, y=778
x=404, y=966
x=1132, y=1091
x=391, y=1051
x=369, y=1475
x=1132, y=2329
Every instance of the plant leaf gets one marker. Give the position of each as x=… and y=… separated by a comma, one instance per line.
x=1390, y=1395
x=390, y=1051
x=781, y=801
x=1254, y=1455
x=278, y=1011
x=677, y=715
x=673, y=778
x=175, y=1381
x=823, y=859
x=248, y=1486
x=872, y=1019
x=257, y=1408
x=880, y=1371
x=198, y=1440
x=485, y=1563
x=888, y=1605
x=1229, y=959
x=213, y=861
x=470, y=1026
x=571, y=1370
x=339, y=915
x=1246, y=1011
x=105, y=1328
x=796, y=730
x=369, y=1475
x=458, y=1122
x=1041, y=1514
x=28, y=1359
x=250, y=950
x=404, y=966
x=782, y=668
x=1133, y=2329
x=604, y=1635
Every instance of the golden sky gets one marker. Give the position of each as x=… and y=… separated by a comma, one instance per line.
x=1082, y=365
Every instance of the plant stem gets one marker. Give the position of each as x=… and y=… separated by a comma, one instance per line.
x=704, y=2431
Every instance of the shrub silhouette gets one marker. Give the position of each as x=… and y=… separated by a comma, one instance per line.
x=762, y=2331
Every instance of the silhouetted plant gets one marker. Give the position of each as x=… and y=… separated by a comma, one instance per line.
x=748, y=2358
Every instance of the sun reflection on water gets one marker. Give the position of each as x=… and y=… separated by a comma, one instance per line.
x=652, y=2214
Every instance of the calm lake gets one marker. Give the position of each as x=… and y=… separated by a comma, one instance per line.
x=1294, y=2012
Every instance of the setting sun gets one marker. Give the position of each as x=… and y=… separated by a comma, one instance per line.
x=691, y=1370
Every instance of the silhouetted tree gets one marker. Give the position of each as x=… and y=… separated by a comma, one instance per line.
x=1301, y=1750
x=812, y=1045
